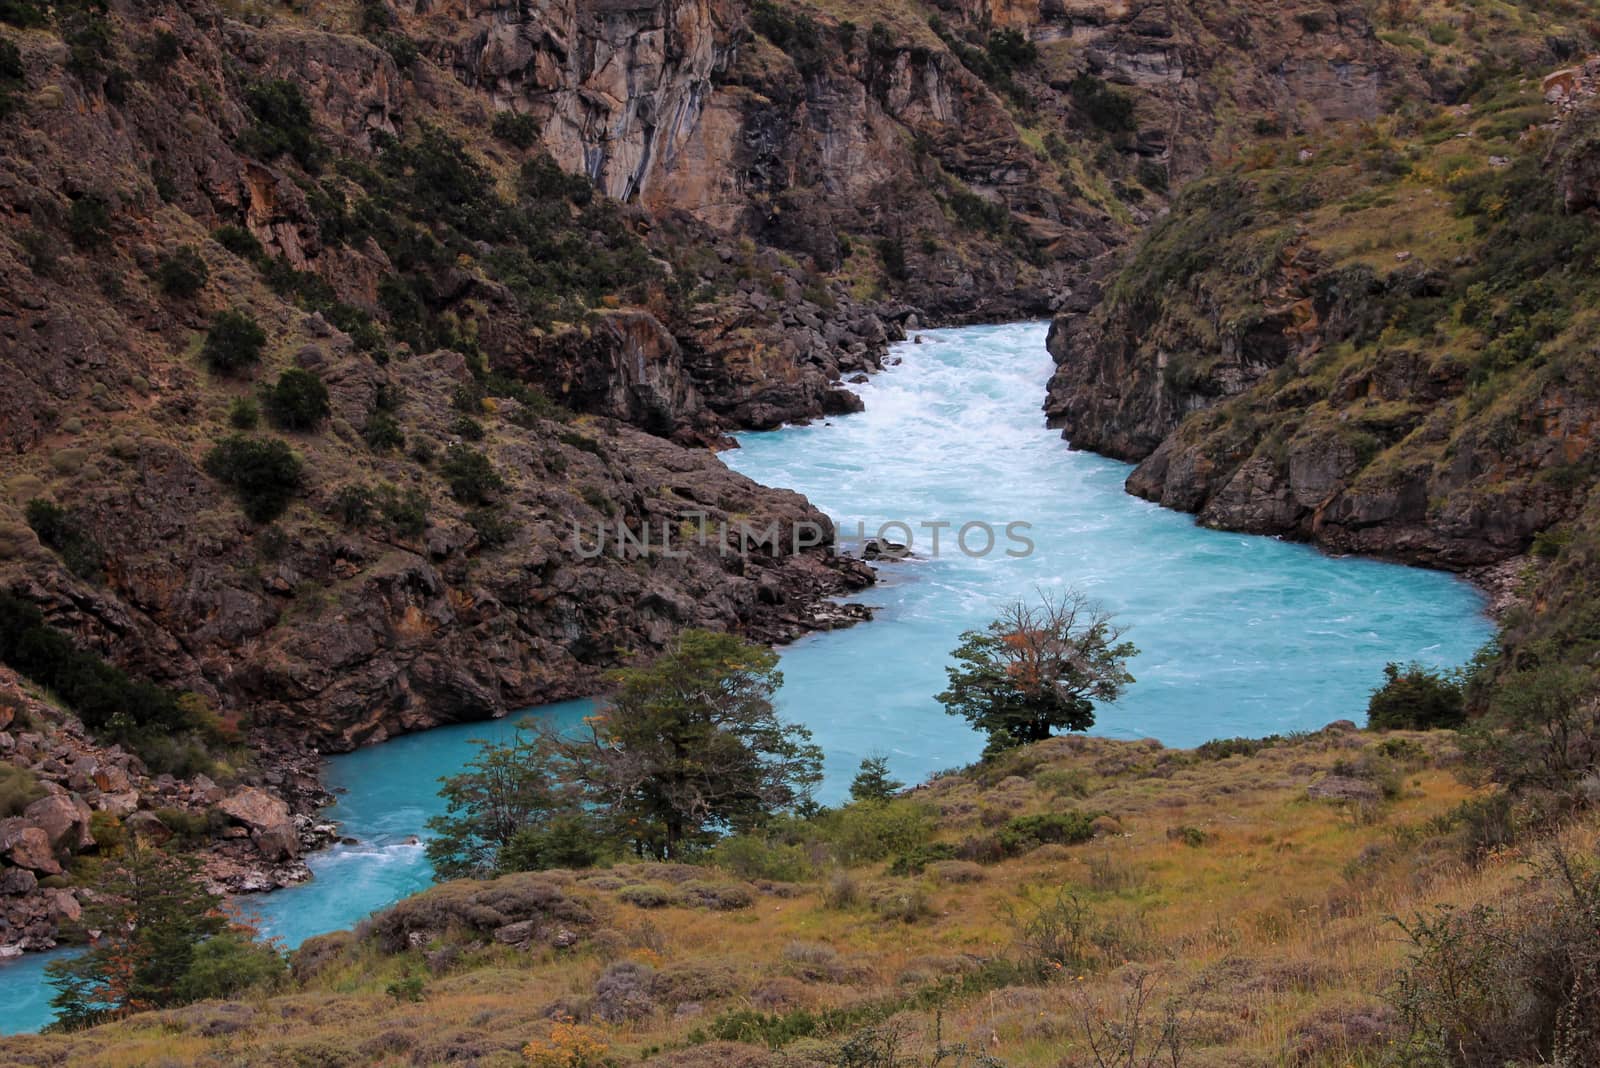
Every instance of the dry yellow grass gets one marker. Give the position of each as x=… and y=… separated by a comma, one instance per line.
x=1262, y=913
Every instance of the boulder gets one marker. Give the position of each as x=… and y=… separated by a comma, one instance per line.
x=278, y=842
x=64, y=818
x=62, y=906
x=29, y=847
x=255, y=808
x=148, y=826
x=17, y=881
x=118, y=804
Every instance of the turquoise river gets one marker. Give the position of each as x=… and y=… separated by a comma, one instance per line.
x=1238, y=635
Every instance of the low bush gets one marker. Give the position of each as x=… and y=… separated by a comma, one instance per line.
x=752, y=857
x=515, y=129
x=182, y=273
x=297, y=401
x=912, y=862
x=1416, y=698
x=625, y=991
x=470, y=475
x=233, y=343
x=89, y=221
x=243, y=414
x=19, y=788
x=264, y=474
x=473, y=909
x=1025, y=833
x=647, y=896
x=60, y=530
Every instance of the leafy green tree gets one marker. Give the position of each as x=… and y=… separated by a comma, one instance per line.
x=297, y=401
x=1037, y=669
x=507, y=789
x=690, y=747
x=873, y=782
x=1415, y=698
x=156, y=919
x=264, y=474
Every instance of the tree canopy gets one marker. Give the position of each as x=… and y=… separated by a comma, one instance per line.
x=1038, y=668
x=164, y=940
x=687, y=749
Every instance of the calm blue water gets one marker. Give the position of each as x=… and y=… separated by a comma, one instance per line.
x=1239, y=635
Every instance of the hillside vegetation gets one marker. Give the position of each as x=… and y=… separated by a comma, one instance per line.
x=1333, y=898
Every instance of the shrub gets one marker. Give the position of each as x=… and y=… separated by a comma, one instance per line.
x=233, y=343
x=466, y=428
x=89, y=221
x=647, y=896
x=1030, y=832
x=914, y=861
x=877, y=830
x=841, y=891
x=1055, y=936
x=283, y=124
x=18, y=789
x=515, y=129
x=569, y=1045
x=902, y=903
x=893, y=253
x=1486, y=987
x=111, y=705
x=475, y=909
x=406, y=511
x=719, y=897
x=12, y=73
x=624, y=992
x=182, y=273
x=239, y=241
x=264, y=474
x=1108, y=108
x=1415, y=698
x=751, y=857
x=407, y=988
x=243, y=414
x=382, y=432
x=353, y=505
x=24, y=13
x=470, y=475
x=297, y=401
x=227, y=965
x=60, y=530
x=493, y=529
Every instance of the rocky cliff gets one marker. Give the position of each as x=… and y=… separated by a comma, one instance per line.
x=1373, y=340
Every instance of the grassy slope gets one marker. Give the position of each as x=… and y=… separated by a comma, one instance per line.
x=1261, y=912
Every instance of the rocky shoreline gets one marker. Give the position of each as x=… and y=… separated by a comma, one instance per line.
x=252, y=837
